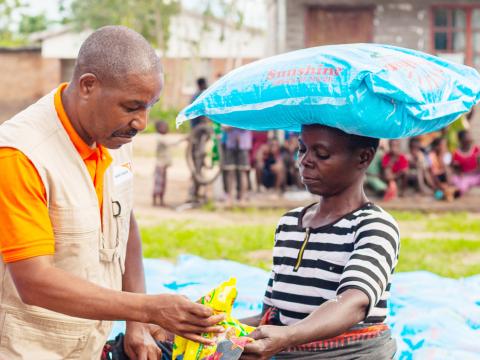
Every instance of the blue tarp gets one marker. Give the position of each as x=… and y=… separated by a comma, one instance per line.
x=432, y=318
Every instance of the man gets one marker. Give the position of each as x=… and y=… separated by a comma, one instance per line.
x=69, y=240
x=198, y=142
x=201, y=87
x=236, y=164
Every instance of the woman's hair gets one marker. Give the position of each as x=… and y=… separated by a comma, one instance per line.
x=462, y=134
x=436, y=142
x=414, y=141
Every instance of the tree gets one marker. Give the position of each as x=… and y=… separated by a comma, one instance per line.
x=151, y=18
x=7, y=9
x=32, y=23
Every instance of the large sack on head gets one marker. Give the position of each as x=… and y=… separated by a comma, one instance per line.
x=365, y=89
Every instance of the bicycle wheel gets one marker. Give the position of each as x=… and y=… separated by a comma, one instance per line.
x=200, y=155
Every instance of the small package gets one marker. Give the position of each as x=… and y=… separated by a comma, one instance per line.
x=228, y=345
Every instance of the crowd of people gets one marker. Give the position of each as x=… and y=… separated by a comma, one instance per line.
x=271, y=163
x=443, y=165
x=435, y=168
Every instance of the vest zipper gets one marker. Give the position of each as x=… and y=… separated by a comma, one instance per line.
x=302, y=250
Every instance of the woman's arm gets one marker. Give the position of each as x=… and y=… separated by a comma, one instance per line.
x=252, y=320
x=332, y=318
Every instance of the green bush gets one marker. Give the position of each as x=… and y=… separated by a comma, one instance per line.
x=158, y=112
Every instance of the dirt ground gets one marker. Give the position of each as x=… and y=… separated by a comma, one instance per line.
x=179, y=181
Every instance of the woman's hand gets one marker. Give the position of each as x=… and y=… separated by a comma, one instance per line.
x=269, y=340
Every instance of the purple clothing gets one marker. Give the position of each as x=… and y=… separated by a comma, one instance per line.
x=238, y=139
x=466, y=181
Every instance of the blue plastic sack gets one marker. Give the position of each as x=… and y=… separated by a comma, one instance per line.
x=365, y=89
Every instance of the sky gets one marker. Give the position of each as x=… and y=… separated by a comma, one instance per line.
x=50, y=7
x=254, y=9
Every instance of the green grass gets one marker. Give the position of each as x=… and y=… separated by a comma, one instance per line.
x=461, y=222
x=452, y=256
x=211, y=242
x=446, y=257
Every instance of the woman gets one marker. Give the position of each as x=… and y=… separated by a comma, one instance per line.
x=466, y=162
x=440, y=159
x=332, y=261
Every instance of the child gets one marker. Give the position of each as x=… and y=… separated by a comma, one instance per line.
x=270, y=166
x=417, y=174
x=466, y=160
x=163, y=161
x=332, y=261
x=440, y=172
x=395, y=167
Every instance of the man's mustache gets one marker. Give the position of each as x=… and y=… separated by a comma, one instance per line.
x=129, y=133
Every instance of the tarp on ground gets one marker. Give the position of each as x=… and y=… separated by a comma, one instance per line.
x=432, y=317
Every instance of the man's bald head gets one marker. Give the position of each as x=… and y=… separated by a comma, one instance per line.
x=112, y=52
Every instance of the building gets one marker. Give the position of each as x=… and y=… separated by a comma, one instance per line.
x=446, y=28
x=196, y=48
x=26, y=76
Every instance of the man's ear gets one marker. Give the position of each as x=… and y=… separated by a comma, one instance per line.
x=365, y=157
x=87, y=83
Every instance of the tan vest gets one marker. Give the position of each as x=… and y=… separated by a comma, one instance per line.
x=82, y=248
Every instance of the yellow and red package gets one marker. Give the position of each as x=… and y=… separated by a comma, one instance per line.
x=221, y=300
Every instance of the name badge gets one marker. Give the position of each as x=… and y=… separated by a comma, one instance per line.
x=122, y=174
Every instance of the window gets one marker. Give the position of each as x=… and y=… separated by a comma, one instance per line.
x=476, y=37
x=456, y=32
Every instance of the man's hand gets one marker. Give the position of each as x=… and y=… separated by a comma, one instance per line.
x=269, y=340
x=139, y=342
x=177, y=314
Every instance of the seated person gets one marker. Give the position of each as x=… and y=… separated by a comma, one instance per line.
x=270, y=166
x=394, y=167
x=418, y=175
x=439, y=160
x=373, y=178
x=289, y=152
x=466, y=160
x=332, y=261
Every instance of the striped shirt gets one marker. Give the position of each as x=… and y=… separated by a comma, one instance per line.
x=313, y=265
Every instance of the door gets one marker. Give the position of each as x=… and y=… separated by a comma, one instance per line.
x=338, y=25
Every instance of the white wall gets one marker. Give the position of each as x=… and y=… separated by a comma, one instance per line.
x=186, y=40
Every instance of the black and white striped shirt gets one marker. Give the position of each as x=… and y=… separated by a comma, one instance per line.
x=311, y=266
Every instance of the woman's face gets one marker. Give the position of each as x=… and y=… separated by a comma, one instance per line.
x=395, y=147
x=442, y=147
x=327, y=164
x=467, y=140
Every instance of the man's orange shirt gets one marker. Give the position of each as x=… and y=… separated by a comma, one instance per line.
x=25, y=227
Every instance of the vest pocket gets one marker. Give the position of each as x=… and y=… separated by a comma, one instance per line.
x=26, y=336
x=77, y=241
